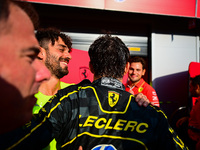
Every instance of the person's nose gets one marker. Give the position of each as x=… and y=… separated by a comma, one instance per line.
x=67, y=55
x=134, y=71
x=42, y=73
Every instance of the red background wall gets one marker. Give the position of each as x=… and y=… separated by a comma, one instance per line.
x=79, y=68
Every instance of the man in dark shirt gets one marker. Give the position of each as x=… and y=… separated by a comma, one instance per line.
x=101, y=114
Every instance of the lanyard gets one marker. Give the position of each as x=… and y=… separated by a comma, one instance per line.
x=139, y=89
x=131, y=87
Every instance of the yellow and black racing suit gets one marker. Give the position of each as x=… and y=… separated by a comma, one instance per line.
x=98, y=115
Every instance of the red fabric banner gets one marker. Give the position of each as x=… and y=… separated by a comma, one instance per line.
x=99, y=4
x=165, y=7
x=78, y=67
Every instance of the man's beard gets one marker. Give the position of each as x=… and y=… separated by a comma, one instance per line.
x=54, y=66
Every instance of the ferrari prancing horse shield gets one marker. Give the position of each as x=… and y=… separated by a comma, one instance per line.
x=113, y=98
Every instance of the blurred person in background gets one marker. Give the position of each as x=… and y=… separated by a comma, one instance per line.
x=189, y=127
x=136, y=83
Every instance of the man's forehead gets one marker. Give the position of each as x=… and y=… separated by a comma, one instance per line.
x=136, y=63
x=57, y=44
x=60, y=42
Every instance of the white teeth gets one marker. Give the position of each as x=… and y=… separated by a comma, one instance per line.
x=64, y=63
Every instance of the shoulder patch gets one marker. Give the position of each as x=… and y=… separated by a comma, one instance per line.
x=140, y=89
x=113, y=98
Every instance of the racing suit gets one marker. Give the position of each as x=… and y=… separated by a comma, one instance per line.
x=42, y=99
x=96, y=115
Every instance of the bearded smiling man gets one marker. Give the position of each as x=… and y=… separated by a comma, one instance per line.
x=55, y=48
x=58, y=66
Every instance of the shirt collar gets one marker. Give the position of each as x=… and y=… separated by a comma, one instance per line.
x=137, y=85
x=110, y=82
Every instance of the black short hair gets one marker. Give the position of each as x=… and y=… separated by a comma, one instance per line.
x=26, y=6
x=30, y=11
x=138, y=59
x=51, y=34
x=108, y=56
x=4, y=9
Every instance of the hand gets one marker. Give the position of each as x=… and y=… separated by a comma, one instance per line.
x=131, y=91
x=80, y=148
x=142, y=100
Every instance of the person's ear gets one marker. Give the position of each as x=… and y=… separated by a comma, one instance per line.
x=91, y=68
x=143, y=72
x=126, y=68
x=42, y=53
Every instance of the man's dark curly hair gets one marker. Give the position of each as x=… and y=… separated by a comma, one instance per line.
x=108, y=56
x=46, y=35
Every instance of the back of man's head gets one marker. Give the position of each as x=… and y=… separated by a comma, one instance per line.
x=108, y=56
x=47, y=35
